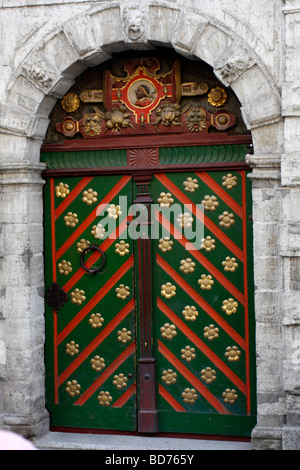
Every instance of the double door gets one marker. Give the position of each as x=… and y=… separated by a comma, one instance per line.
x=149, y=302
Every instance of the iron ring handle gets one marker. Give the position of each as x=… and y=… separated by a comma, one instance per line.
x=93, y=248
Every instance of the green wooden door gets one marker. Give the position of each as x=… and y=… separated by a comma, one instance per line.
x=202, y=312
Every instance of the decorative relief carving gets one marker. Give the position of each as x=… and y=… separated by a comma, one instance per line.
x=142, y=157
x=134, y=24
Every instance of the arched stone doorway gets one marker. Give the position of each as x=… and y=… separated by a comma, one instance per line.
x=43, y=77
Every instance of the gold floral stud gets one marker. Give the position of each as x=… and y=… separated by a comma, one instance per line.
x=208, y=243
x=98, y=231
x=165, y=244
x=208, y=375
x=230, y=396
x=230, y=306
x=62, y=190
x=165, y=200
x=189, y=395
x=226, y=220
x=96, y=320
x=124, y=335
x=210, y=203
x=211, y=332
x=71, y=219
x=169, y=377
x=217, y=96
x=185, y=220
x=70, y=102
x=73, y=388
x=64, y=267
x=187, y=266
x=233, y=354
x=229, y=181
x=122, y=248
x=114, y=211
x=190, y=313
x=78, y=296
x=168, y=290
x=97, y=363
x=122, y=292
x=82, y=245
x=230, y=264
x=120, y=381
x=188, y=353
x=190, y=184
x=90, y=197
x=168, y=331
x=72, y=348
x=104, y=398
x=206, y=282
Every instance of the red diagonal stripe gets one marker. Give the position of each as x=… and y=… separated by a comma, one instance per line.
x=200, y=301
x=201, y=216
x=125, y=397
x=72, y=196
x=211, y=183
x=192, y=379
x=105, y=374
x=201, y=345
x=91, y=217
x=100, y=294
x=98, y=340
x=171, y=400
x=201, y=258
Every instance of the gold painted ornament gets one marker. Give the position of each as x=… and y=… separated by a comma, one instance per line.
x=211, y=332
x=96, y=320
x=64, y=267
x=210, y=203
x=71, y=219
x=104, y=398
x=190, y=184
x=124, y=335
x=230, y=264
x=82, y=245
x=122, y=248
x=208, y=375
x=78, y=296
x=70, y=102
x=165, y=244
x=229, y=181
x=206, y=282
x=98, y=231
x=62, y=190
x=185, y=220
x=230, y=396
x=72, y=348
x=73, y=388
x=233, y=354
x=168, y=290
x=120, y=381
x=122, y=292
x=230, y=306
x=226, y=220
x=187, y=266
x=208, y=243
x=189, y=396
x=217, y=97
x=188, y=353
x=114, y=211
x=190, y=313
x=165, y=200
x=97, y=363
x=168, y=331
x=169, y=377
x=89, y=196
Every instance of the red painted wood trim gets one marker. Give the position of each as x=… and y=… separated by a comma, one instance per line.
x=72, y=196
x=125, y=397
x=169, y=399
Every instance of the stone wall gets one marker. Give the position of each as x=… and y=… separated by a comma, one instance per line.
x=253, y=46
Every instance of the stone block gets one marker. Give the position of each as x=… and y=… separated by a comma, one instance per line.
x=107, y=27
x=80, y=33
x=212, y=43
x=59, y=52
x=162, y=24
x=189, y=28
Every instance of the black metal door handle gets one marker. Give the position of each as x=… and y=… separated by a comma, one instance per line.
x=93, y=248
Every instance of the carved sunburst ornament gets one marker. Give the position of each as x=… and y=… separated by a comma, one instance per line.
x=70, y=102
x=217, y=97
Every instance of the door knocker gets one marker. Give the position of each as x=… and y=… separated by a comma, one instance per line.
x=96, y=269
